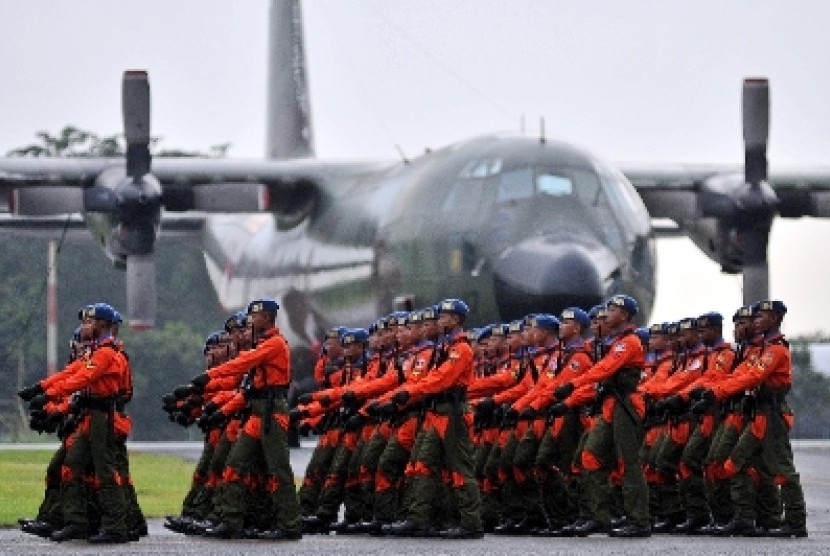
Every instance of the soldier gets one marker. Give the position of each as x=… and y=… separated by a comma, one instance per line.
x=446, y=445
x=93, y=445
x=619, y=430
x=764, y=443
x=267, y=369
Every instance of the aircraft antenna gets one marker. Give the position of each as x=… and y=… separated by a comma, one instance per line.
x=403, y=154
x=542, y=130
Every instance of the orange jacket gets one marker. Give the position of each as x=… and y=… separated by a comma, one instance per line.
x=270, y=359
x=768, y=364
x=691, y=371
x=101, y=375
x=456, y=371
x=573, y=362
x=718, y=366
x=625, y=350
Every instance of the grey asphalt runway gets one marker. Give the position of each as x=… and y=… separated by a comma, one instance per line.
x=812, y=460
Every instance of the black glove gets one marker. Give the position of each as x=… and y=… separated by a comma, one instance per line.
x=305, y=399
x=168, y=402
x=30, y=392
x=203, y=422
x=349, y=399
x=324, y=400
x=671, y=403
x=218, y=419
x=511, y=416
x=183, y=391
x=485, y=407
x=199, y=382
x=373, y=409
x=388, y=410
x=401, y=397
x=563, y=391
x=354, y=422
x=182, y=419
x=295, y=415
x=707, y=400
x=557, y=410
x=527, y=414
x=38, y=402
x=304, y=429
x=697, y=393
x=210, y=408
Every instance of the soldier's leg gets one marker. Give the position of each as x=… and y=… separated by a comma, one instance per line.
x=196, y=494
x=230, y=500
x=777, y=458
x=597, y=460
x=334, y=486
x=50, y=508
x=74, y=488
x=628, y=438
x=315, y=474
x=458, y=454
x=426, y=485
x=104, y=451
x=692, y=463
x=279, y=481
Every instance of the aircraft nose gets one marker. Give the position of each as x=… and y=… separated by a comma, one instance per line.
x=545, y=275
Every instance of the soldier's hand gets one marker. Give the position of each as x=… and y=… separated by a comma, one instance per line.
x=199, y=382
x=558, y=409
x=354, y=422
x=401, y=397
x=485, y=407
x=203, y=422
x=670, y=403
x=707, y=400
x=511, y=416
x=388, y=410
x=349, y=398
x=183, y=391
x=305, y=399
x=38, y=402
x=30, y=392
x=373, y=409
x=563, y=391
x=697, y=393
x=218, y=419
x=527, y=414
x=295, y=415
x=304, y=429
x=210, y=408
x=182, y=419
x=168, y=402
x=324, y=400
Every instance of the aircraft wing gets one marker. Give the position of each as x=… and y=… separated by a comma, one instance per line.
x=682, y=192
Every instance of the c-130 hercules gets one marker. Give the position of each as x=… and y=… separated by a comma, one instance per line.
x=512, y=224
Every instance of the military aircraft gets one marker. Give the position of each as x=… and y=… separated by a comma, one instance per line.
x=512, y=224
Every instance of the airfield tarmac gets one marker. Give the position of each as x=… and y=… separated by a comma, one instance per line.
x=812, y=459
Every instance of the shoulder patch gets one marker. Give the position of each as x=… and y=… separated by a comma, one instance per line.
x=454, y=354
x=619, y=347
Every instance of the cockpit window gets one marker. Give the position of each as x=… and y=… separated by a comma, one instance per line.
x=515, y=184
x=481, y=168
x=553, y=184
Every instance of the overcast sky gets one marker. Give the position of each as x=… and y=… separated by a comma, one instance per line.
x=644, y=81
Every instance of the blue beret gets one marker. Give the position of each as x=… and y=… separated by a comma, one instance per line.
x=744, y=312
x=689, y=323
x=626, y=302
x=577, y=314
x=335, y=332
x=263, y=306
x=118, y=318
x=83, y=311
x=659, y=328
x=454, y=306
x=773, y=305
x=544, y=321
x=355, y=336
x=398, y=318
x=515, y=326
x=499, y=329
x=430, y=313
x=484, y=333
x=416, y=316
x=99, y=311
x=643, y=333
x=597, y=312
x=711, y=318
x=213, y=339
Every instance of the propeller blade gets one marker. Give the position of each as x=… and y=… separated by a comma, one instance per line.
x=141, y=291
x=756, y=129
x=135, y=107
